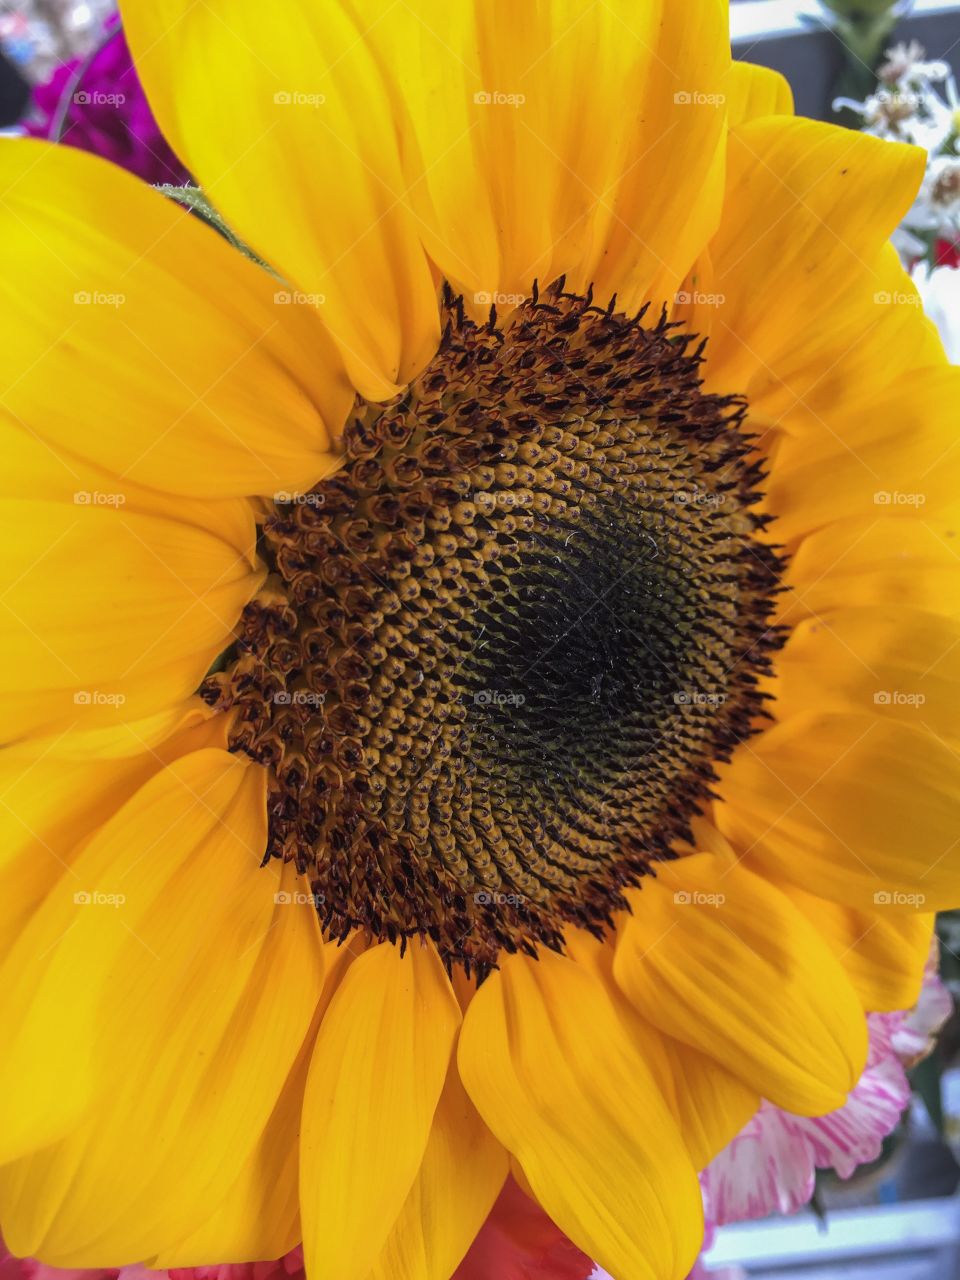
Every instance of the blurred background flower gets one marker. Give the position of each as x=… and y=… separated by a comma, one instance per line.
x=96, y=103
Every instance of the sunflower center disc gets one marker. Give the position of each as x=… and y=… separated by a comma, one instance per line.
x=500, y=651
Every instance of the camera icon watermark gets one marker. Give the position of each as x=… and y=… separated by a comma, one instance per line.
x=299, y=698
x=496, y=698
x=98, y=698
x=496, y=98
x=898, y=698
x=284, y=498
x=897, y=298
x=894, y=498
x=894, y=898
x=694, y=898
x=697, y=298
x=94, y=498
x=697, y=698
x=695, y=98
x=96, y=298
x=295, y=98
x=296, y=298
x=94, y=98
x=494, y=298
x=95, y=898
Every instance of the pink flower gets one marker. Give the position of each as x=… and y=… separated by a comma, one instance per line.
x=771, y=1165
x=517, y=1242
x=98, y=105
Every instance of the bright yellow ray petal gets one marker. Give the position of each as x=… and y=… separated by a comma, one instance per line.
x=753, y=92
x=561, y=1083
x=376, y=1077
x=463, y=1171
x=888, y=660
x=721, y=960
x=259, y=1216
x=858, y=808
x=51, y=801
x=146, y=344
x=67, y=952
x=713, y=1104
x=869, y=561
x=668, y=196
x=709, y=1105
x=288, y=128
x=211, y=985
x=892, y=454
x=876, y=335
x=807, y=209
x=883, y=954
x=110, y=615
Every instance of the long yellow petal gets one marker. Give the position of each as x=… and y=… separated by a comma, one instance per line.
x=888, y=660
x=883, y=955
x=807, y=209
x=259, y=1216
x=871, y=560
x=289, y=129
x=564, y=1087
x=721, y=960
x=143, y=342
x=893, y=455
x=110, y=615
x=709, y=1105
x=753, y=92
x=375, y=1080
x=856, y=808
x=463, y=1171
x=211, y=981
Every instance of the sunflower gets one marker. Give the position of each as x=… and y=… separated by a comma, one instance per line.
x=480, y=696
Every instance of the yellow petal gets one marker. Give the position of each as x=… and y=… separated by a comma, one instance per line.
x=376, y=1077
x=668, y=195
x=713, y=1104
x=488, y=155
x=721, y=960
x=51, y=801
x=563, y=1086
x=874, y=336
x=289, y=129
x=895, y=454
x=110, y=615
x=54, y=975
x=807, y=209
x=260, y=1215
x=887, y=660
x=146, y=344
x=753, y=92
x=463, y=1171
x=855, y=808
x=201, y=1011
x=883, y=955
x=870, y=560
x=709, y=1105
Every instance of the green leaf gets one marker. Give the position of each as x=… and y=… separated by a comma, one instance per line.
x=195, y=200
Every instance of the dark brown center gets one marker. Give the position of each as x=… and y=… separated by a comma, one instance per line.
x=499, y=653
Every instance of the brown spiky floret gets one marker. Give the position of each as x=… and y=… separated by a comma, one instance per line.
x=500, y=652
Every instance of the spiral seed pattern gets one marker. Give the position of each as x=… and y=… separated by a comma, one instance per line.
x=499, y=653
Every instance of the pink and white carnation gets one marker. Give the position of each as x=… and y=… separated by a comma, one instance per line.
x=770, y=1167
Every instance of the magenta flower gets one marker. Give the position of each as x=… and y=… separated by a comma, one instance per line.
x=97, y=104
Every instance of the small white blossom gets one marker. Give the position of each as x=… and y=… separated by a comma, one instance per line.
x=917, y=101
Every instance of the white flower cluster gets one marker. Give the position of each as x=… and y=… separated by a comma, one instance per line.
x=917, y=101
